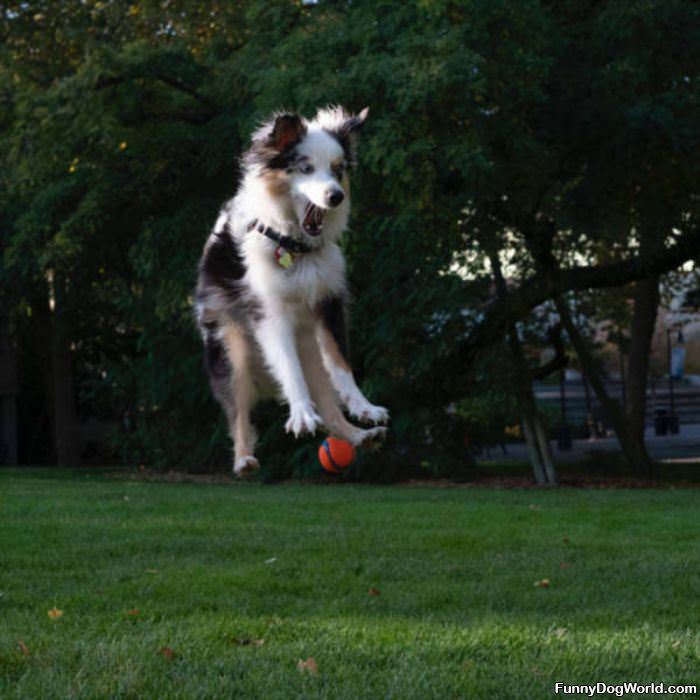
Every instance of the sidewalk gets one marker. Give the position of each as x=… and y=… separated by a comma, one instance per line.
x=684, y=446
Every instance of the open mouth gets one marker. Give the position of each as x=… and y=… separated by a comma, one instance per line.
x=312, y=223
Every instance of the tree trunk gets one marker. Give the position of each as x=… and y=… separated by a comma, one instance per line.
x=545, y=450
x=533, y=449
x=634, y=451
x=61, y=389
x=646, y=303
x=535, y=435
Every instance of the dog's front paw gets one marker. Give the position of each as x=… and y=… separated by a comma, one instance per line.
x=366, y=412
x=302, y=419
x=245, y=465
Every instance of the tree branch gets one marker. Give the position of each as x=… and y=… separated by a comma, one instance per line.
x=560, y=359
x=517, y=304
x=104, y=82
x=182, y=87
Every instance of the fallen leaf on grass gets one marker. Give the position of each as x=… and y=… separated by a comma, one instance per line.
x=23, y=647
x=308, y=666
x=271, y=560
x=676, y=644
x=542, y=583
x=564, y=565
x=374, y=591
x=55, y=613
x=133, y=613
x=245, y=641
x=560, y=632
x=167, y=653
x=152, y=571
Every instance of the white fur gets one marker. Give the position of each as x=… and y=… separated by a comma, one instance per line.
x=350, y=395
x=322, y=150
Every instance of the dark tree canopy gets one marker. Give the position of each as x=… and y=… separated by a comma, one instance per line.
x=561, y=136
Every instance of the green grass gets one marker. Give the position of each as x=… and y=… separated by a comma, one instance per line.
x=457, y=616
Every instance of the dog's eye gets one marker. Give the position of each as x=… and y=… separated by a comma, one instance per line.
x=306, y=168
x=338, y=171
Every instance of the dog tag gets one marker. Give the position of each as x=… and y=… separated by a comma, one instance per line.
x=283, y=257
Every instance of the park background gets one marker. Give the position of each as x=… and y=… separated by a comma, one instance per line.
x=526, y=201
x=526, y=204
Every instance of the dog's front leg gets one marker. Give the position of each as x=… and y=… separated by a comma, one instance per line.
x=344, y=382
x=276, y=336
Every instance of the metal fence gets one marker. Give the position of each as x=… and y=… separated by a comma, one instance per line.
x=579, y=402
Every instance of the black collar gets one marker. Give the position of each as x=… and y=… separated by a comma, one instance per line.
x=293, y=245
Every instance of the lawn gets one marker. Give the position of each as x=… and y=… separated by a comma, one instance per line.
x=218, y=590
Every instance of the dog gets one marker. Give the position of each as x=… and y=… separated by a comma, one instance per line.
x=271, y=298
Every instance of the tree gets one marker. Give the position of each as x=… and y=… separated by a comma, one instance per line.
x=565, y=126
x=605, y=172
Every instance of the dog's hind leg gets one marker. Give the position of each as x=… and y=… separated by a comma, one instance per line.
x=240, y=399
x=325, y=398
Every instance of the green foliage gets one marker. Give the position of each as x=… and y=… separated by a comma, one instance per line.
x=120, y=128
x=490, y=419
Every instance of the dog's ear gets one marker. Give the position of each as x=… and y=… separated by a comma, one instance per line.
x=348, y=132
x=354, y=123
x=287, y=131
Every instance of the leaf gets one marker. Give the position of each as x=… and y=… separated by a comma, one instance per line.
x=23, y=647
x=308, y=666
x=542, y=583
x=167, y=653
x=565, y=565
x=134, y=613
x=374, y=591
x=55, y=613
x=245, y=641
x=152, y=571
x=271, y=560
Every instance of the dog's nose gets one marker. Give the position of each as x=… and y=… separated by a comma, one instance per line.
x=335, y=197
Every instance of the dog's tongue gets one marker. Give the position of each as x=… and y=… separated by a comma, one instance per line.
x=313, y=220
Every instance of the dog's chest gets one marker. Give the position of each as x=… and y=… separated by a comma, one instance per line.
x=311, y=278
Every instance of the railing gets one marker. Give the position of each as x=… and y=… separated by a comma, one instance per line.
x=686, y=400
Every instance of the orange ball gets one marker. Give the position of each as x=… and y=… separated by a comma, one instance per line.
x=336, y=455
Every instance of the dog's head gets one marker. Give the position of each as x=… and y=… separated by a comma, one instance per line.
x=305, y=164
